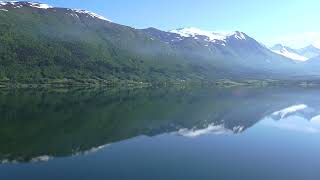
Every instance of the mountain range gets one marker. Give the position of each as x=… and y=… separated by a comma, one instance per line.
x=302, y=54
x=44, y=44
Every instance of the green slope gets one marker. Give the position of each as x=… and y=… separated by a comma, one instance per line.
x=38, y=45
x=62, y=46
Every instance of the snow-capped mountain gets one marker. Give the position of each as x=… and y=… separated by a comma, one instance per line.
x=236, y=48
x=288, y=52
x=91, y=14
x=215, y=37
x=73, y=12
x=186, y=53
x=303, y=54
x=310, y=51
x=20, y=4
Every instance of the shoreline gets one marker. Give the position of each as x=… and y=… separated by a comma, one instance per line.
x=222, y=83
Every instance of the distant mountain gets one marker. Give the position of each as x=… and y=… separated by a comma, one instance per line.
x=288, y=52
x=317, y=58
x=310, y=51
x=44, y=44
x=313, y=63
x=212, y=37
x=235, y=50
x=302, y=54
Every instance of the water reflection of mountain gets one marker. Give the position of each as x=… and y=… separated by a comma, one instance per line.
x=36, y=125
x=310, y=113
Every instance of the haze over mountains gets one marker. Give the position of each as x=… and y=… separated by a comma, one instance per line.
x=302, y=54
x=40, y=43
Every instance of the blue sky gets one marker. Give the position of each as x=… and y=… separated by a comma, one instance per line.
x=292, y=22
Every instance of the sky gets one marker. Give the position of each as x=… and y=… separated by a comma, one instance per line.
x=291, y=22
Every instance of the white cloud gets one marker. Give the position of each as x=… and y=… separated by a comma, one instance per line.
x=296, y=40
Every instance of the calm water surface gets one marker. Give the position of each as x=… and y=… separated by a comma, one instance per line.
x=270, y=133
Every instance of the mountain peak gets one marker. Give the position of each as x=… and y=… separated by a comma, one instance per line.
x=277, y=47
x=288, y=52
x=312, y=46
x=91, y=14
x=211, y=35
x=239, y=35
x=21, y=4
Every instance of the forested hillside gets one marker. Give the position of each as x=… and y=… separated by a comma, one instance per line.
x=60, y=45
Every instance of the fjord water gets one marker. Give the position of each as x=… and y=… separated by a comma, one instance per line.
x=240, y=133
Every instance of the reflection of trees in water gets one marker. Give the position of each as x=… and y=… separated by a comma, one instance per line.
x=60, y=123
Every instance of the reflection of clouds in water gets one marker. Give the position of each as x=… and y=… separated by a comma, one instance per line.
x=211, y=129
x=41, y=158
x=295, y=118
x=282, y=113
x=92, y=150
x=45, y=158
x=315, y=119
x=293, y=123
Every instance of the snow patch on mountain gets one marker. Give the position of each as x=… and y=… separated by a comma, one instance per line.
x=2, y=3
x=91, y=14
x=284, y=112
x=288, y=52
x=20, y=4
x=210, y=129
x=315, y=119
x=211, y=36
x=43, y=158
x=291, y=55
x=40, y=5
x=15, y=4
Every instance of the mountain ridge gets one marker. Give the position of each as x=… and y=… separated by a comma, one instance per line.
x=41, y=44
x=301, y=54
